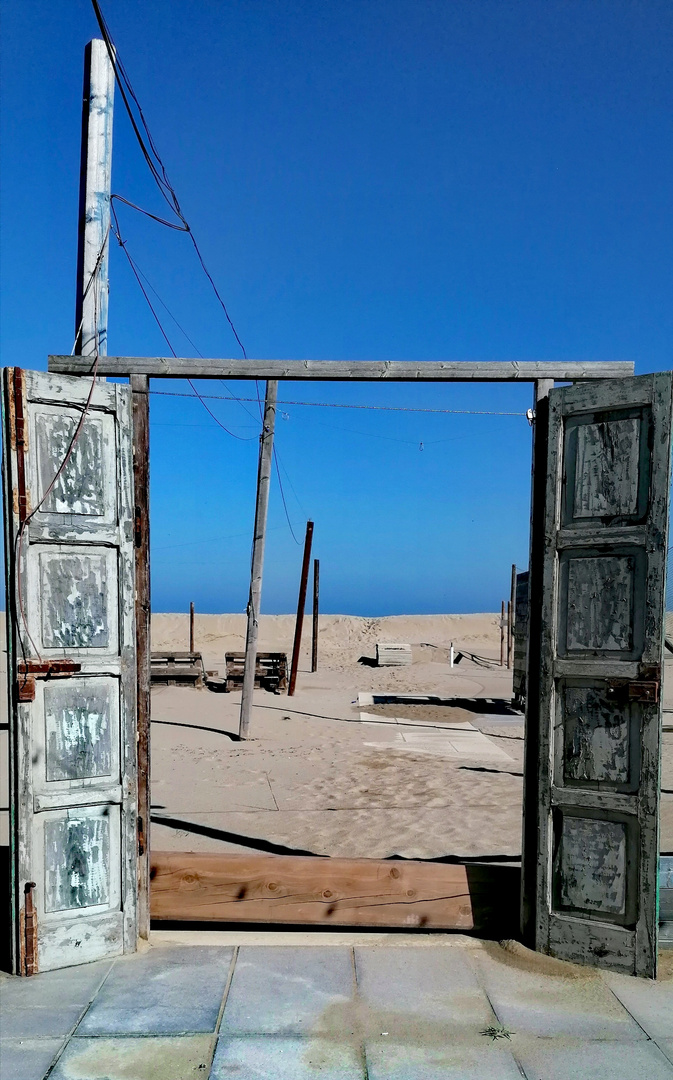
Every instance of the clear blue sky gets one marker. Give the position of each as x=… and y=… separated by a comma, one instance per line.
x=369, y=179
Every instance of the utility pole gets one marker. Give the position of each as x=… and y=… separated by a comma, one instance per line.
x=301, y=604
x=191, y=626
x=316, y=612
x=91, y=308
x=259, y=540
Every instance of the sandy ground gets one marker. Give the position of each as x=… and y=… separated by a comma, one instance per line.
x=313, y=779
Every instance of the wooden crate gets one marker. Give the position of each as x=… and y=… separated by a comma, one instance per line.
x=270, y=671
x=177, y=668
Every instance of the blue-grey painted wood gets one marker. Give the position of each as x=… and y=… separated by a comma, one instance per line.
x=595, y=669
x=71, y=597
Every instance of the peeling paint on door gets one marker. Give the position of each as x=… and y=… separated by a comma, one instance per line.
x=592, y=865
x=606, y=470
x=79, y=489
x=596, y=736
x=74, y=601
x=78, y=729
x=77, y=862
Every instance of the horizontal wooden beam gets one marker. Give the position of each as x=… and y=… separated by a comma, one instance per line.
x=204, y=887
x=170, y=367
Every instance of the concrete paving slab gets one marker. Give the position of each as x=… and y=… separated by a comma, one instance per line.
x=651, y=1003
x=395, y=1062
x=174, y=989
x=666, y=1046
x=535, y=995
x=180, y=1057
x=439, y=985
x=584, y=1060
x=282, y=1058
x=286, y=991
x=48, y=1004
x=27, y=1059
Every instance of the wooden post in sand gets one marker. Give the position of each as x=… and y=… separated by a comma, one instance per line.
x=509, y=633
x=301, y=604
x=512, y=613
x=259, y=539
x=191, y=626
x=316, y=612
x=502, y=634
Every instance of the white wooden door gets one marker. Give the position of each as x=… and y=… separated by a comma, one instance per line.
x=598, y=582
x=71, y=668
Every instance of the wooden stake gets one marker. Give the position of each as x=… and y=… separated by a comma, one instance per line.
x=502, y=634
x=509, y=633
x=141, y=480
x=191, y=626
x=91, y=308
x=301, y=604
x=512, y=618
x=259, y=540
x=316, y=604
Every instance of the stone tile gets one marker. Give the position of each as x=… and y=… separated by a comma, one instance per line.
x=434, y=984
x=48, y=1004
x=162, y=991
x=557, y=1000
x=666, y=1046
x=180, y=1057
x=276, y=1057
x=392, y=1061
x=286, y=991
x=651, y=1003
x=27, y=1059
x=561, y=1059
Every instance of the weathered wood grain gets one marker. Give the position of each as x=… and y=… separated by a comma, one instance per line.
x=170, y=367
x=190, y=886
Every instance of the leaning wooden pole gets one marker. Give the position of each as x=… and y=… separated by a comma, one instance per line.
x=316, y=614
x=191, y=626
x=91, y=307
x=301, y=604
x=509, y=633
x=502, y=634
x=258, y=543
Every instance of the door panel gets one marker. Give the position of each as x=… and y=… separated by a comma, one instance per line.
x=599, y=577
x=71, y=650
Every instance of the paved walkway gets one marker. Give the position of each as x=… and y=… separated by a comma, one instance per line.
x=379, y=1011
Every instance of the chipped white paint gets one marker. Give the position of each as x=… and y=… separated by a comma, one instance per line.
x=74, y=746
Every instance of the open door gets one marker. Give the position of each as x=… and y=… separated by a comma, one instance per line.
x=591, y=844
x=71, y=667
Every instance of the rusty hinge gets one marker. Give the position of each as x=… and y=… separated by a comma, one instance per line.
x=138, y=527
x=141, y=837
x=646, y=688
x=28, y=930
x=49, y=669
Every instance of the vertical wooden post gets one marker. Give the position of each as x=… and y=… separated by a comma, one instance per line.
x=316, y=612
x=91, y=306
x=301, y=604
x=141, y=479
x=531, y=781
x=502, y=633
x=509, y=633
x=259, y=540
x=191, y=626
x=512, y=617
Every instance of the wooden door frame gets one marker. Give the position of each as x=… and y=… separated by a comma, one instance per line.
x=139, y=370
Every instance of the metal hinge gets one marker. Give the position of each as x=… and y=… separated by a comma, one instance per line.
x=645, y=689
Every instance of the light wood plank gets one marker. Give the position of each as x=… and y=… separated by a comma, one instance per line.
x=169, y=367
x=197, y=886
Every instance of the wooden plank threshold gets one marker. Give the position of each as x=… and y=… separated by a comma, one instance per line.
x=312, y=891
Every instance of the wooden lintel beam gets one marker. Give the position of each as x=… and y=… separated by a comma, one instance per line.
x=168, y=367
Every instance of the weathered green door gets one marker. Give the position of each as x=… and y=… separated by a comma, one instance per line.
x=596, y=656
x=71, y=668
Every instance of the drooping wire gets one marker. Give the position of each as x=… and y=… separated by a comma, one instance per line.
x=136, y=274
x=154, y=161
x=282, y=495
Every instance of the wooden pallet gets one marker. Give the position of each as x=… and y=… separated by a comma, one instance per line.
x=270, y=671
x=177, y=668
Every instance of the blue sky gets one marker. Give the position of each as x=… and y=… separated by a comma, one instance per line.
x=404, y=179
